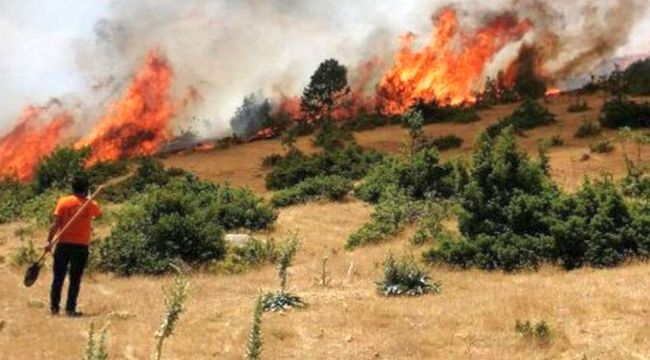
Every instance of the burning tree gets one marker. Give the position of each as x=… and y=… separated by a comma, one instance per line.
x=327, y=86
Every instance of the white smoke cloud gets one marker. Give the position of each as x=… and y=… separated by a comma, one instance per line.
x=226, y=49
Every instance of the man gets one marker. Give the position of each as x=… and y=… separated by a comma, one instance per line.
x=71, y=253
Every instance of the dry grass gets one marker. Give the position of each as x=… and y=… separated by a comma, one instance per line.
x=600, y=314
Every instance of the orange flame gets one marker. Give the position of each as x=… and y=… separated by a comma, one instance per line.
x=138, y=123
x=38, y=132
x=449, y=66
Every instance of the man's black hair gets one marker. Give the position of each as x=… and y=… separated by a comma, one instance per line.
x=80, y=184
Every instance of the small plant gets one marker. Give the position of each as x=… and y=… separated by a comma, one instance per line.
x=96, y=344
x=283, y=300
x=175, y=297
x=324, y=274
x=405, y=277
x=602, y=147
x=254, y=346
x=271, y=160
x=588, y=128
x=539, y=332
x=578, y=105
x=25, y=254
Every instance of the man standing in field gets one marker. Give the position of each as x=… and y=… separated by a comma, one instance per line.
x=71, y=252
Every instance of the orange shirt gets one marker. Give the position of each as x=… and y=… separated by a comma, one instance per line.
x=79, y=230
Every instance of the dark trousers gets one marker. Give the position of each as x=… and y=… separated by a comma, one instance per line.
x=68, y=258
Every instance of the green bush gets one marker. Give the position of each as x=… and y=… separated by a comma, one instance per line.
x=295, y=167
x=637, y=77
x=183, y=220
x=433, y=112
x=448, y=142
x=553, y=141
x=619, y=112
x=420, y=177
x=530, y=115
x=26, y=254
x=539, y=332
x=388, y=220
x=602, y=147
x=334, y=188
x=253, y=253
x=150, y=172
x=588, y=128
x=40, y=208
x=13, y=196
x=405, y=277
x=58, y=168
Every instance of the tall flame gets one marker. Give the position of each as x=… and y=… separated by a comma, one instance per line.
x=38, y=132
x=138, y=123
x=448, y=67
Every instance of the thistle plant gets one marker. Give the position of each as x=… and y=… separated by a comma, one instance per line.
x=96, y=344
x=254, y=347
x=405, y=277
x=282, y=299
x=175, y=297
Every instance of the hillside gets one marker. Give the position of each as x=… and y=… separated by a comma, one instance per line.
x=593, y=314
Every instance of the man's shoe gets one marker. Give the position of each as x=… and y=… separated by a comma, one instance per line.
x=54, y=312
x=74, y=313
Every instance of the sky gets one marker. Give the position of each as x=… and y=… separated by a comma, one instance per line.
x=41, y=39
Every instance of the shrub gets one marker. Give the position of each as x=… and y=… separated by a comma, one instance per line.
x=13, y=196
x=334, y=188
x=253, y=253
x=578, y=106
x=448, y=142
x=530, y=115
x=553, y=141
x=331, y=136
x=433, y=112
x=430, y=226
x=421, y=177
x=588, y=128
x=26, y=254
x=271, y=160
x=593, y=227
x=150, y=172
x=351, y=162
x=388, y=219
x=405, y=277
x=619, y=112
x=40, y=208
x=183, y=220
x=539, y=332
x=602, y=147
x=637, y=77
x=58, y=168
x=367, y=121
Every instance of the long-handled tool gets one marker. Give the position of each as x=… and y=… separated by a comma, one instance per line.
x=33, y=270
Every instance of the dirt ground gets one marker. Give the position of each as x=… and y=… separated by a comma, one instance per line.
x=592, y=314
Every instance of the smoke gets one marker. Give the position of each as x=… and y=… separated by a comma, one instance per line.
x=229, y=49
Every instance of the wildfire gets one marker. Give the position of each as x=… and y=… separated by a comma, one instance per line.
x=39, y=131
x=449, y=66
x=138, y=123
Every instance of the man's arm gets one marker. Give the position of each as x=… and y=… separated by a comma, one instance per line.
x=56, y=225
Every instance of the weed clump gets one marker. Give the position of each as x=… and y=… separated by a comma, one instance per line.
x=602, y=147
x=96, y=344
x=404, y=277
x=588, y=128
x=254, y=346
x=175, y=298
x=539, y=332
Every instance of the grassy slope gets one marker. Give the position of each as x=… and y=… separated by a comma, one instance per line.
x=600, y=314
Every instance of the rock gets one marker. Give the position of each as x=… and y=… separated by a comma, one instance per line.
x=238, y=239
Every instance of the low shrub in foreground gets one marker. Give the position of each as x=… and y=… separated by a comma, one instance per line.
x=13, y=196
x=404, y=277
x=539, y=332
x=183, y=220
x=529, y=115
x=333, y=188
